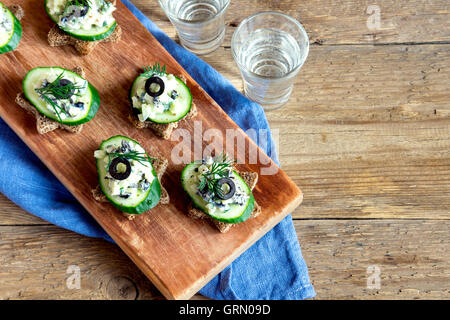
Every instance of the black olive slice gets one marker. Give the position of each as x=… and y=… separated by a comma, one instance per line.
x=79, y=105
x=62, y=83
x=113, y=168
x=82, y=6
x=230, y=184
x=151, y=81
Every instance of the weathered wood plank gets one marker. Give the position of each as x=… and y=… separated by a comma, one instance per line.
x=35, y=260
x=364, y=147
x=395, y=188
x=412, y=256
x=167, y=231
x=367, y=131
x=361, y=84
x=360, y=146
x=339, y=22
x=365, y=135
x=11, y=214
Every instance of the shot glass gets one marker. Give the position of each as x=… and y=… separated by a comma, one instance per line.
x=200, y=23
x=269, y=49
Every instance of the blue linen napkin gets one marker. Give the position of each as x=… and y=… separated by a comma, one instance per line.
x=273, y=268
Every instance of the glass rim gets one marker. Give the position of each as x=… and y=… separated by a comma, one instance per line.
x=171, y=16
x=246, y=20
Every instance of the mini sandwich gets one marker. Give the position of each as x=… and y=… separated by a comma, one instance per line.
x=219, y=192
x=128, y=177
x=82, y=23
x=10, y=27
x=58, y=98
x=160, y=100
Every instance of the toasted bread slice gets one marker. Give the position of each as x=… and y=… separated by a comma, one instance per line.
x=17, y=11
x=58, y=38
x=160, y=166
x=43, y=123
x=250, y=178
x=163, y=130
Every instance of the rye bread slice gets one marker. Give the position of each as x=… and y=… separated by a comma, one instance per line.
x=43, y=123
x=163, y=130
x=17, y=11
x=58, y=38
x=160, y=166
x=250, y=178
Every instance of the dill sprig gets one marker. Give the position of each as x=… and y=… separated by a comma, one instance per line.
x=156, y=69
x=219, y=169
x=140, y=157
x=55, y=91
x=59, y=91
x=55, y=107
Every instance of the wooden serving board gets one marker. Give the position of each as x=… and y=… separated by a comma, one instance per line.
x=178, y=254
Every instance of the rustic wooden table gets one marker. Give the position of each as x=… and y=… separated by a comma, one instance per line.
x=366, y=135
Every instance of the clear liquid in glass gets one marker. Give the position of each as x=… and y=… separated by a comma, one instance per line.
x=269, y=54
x=197, y=11
x=200, y=24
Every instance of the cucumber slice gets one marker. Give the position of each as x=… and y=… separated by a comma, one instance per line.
x=92, y=34
x=143, y=200
x=236, y=213
x=9, y=40
x=33, y=80
x=182, y=104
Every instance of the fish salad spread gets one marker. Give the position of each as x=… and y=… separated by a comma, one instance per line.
x=69, y=105
x=61, y=95
x=87, y=20
x=126, y=175
x=151, y=105
x=218, y=190
x=10, y=30
x=6, y=25
x=159, y=96
x=232, y=193
x=82, y=14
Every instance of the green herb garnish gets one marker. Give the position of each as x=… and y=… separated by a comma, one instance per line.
x=219, y=169
x=140, y=157
x=56, y=91
x=156, y=69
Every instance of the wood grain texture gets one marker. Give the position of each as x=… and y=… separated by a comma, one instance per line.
x=35, y=260
x=365, y=135
x=412, y=256
x=340, y=22
x=357, y=84
x=178, y=254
